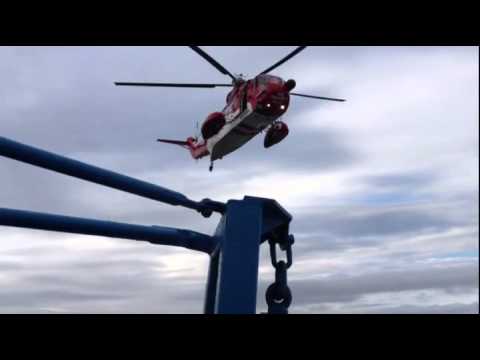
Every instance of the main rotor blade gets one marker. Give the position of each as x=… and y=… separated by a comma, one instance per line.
x=317, y=97
x=212, y=61
x=171, y=85
x=286, y=58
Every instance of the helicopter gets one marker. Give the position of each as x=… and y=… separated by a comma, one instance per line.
x=252, y=106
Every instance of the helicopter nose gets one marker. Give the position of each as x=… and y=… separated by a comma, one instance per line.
x=290, y=84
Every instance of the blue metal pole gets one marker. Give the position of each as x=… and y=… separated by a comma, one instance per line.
x=66, y=166
x=241, y=229
x=212, y=283
x=153, y=234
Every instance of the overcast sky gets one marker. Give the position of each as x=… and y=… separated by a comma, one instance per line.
x=383, y=188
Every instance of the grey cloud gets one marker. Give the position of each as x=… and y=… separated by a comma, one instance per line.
x=122, y=296
x=341, y=228
x=385, y=223
x=9, y=265
x=409, y=180
x=139, y=284
x=335, y=289
x=455, y=308
x=33, y=298
x=302, y=151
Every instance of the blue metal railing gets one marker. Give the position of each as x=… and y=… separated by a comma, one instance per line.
x=234, y=249
x=66, y=166
x=154, y=234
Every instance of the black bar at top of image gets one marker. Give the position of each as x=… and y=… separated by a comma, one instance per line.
x=277, y=37
x=231, y=23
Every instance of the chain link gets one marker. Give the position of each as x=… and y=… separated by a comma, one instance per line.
x=278, y=295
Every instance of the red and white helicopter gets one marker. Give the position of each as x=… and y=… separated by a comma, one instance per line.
x=253, y=106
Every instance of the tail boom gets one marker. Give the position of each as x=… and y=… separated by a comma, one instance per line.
x=197, y=149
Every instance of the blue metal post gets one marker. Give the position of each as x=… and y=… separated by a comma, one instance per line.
x=153, y=234
x=233, y=272
x=212, y=283
x=238, y=257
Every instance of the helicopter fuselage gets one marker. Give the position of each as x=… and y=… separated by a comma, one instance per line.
x=252, y=106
